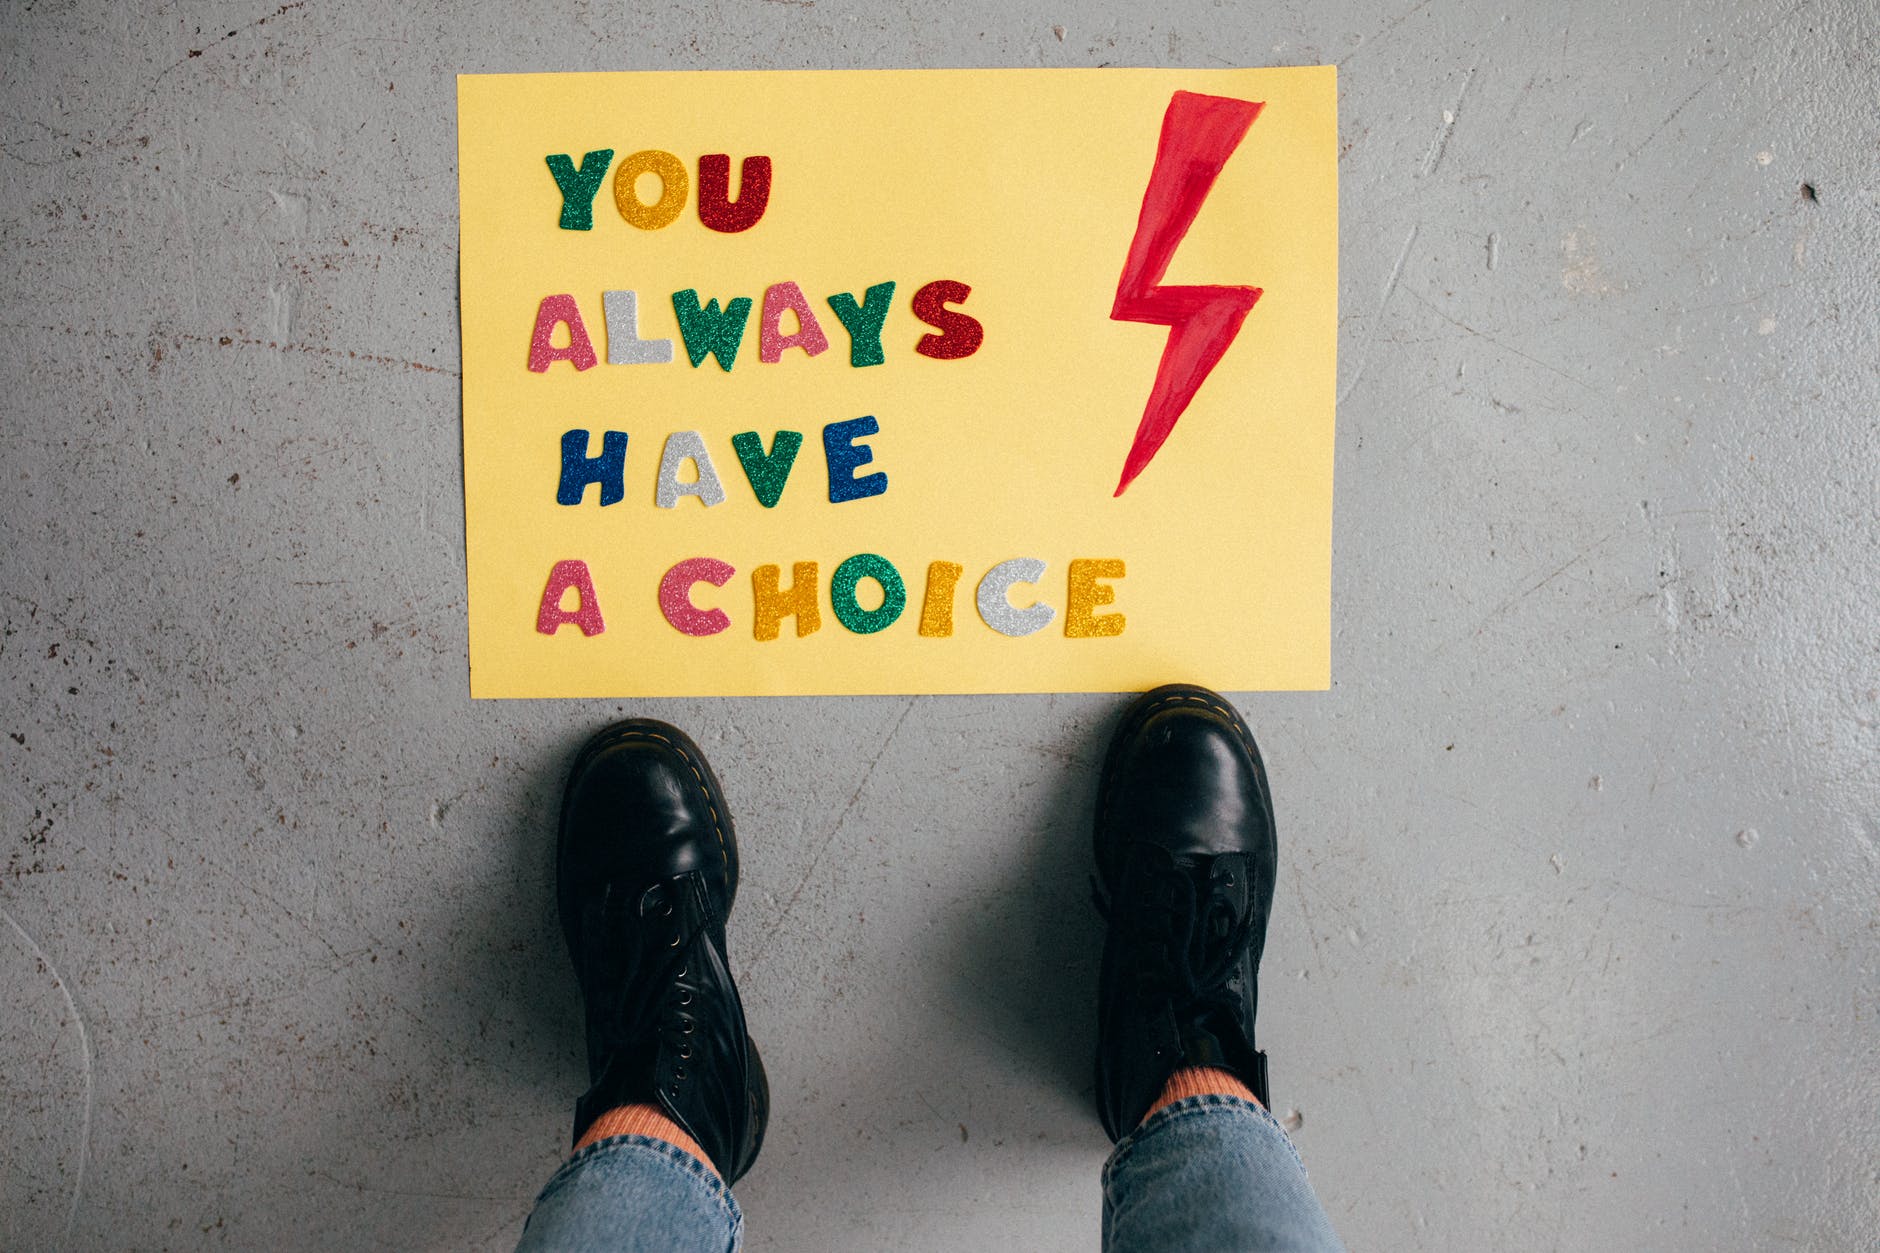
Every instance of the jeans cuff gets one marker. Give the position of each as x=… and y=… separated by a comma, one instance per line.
x=1207, y=1105
x=675, y=1156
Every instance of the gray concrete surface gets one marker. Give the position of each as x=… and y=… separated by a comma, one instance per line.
x=1576, y=938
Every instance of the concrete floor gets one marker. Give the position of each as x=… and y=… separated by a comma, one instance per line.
x=1575, y=943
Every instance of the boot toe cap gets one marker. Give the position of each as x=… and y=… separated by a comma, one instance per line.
x=1186, y=772
x=642, y=806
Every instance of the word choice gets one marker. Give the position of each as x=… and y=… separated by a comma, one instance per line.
x=1087, y=588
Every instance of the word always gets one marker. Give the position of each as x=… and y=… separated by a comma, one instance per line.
x=713, y=331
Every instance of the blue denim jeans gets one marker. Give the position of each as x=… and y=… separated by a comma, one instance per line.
x=1212, y=1174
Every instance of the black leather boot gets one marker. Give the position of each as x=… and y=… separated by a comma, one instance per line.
x=646, y=869
x=1185, y=862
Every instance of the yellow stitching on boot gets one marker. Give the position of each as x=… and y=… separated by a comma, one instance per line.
x=717, y=829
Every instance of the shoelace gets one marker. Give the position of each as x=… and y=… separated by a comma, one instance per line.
x=646, y=940
x=1187, y=931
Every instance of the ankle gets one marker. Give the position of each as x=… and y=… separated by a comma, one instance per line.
x=643, y=1120
x=1201, y=1081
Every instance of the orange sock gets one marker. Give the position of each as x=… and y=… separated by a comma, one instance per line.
x=1201, y=1081
x=643, y=1120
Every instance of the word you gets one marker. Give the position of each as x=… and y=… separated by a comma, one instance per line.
x=716, y=209
x=1086, y=590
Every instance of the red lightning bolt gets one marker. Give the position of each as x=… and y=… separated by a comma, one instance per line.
x=1199, y=134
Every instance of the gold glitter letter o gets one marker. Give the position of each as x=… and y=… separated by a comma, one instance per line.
x=673, y=184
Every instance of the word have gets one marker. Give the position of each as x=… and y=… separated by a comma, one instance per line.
x=1085, y=591
x=711, y=331
x=716, y=209
x=767, y=472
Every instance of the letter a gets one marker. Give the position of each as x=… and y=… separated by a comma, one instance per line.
x=683, y=446
x=781, y=298
x=550, y=616
x=553, y=312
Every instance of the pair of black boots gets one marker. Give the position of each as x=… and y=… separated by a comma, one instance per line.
x=647, y=867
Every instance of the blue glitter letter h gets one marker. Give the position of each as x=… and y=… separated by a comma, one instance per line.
x=578, y=469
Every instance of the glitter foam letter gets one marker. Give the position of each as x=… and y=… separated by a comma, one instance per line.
x=716, y=208
x=579, y=185
x=707, y=330
x=767, y=474
x=624, y=345
x=675, y=596
x=843, y=584
x=578, y=469
x=770, y=606
x=864, y=322
x=781, y=298
x=551, y=617
x=1085, y=594
x=674, y=187
x=554, y=311
x=960, y=335
x=681, y=447
x=845, y=456
x=996, y=607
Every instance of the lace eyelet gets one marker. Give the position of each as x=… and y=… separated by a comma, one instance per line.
x=685, y=996
x=685, y=1027
x=686, y=1053
x=678, y=1074
x=675, y=941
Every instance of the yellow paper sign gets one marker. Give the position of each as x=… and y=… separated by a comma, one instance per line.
x=885, y=382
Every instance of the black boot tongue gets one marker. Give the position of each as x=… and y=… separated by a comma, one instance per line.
x=1201, y=1047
